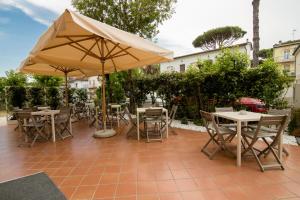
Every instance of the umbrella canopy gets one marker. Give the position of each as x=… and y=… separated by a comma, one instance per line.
x=30, y=67
x=76, y=40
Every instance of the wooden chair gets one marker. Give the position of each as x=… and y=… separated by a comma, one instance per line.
x=62, y=123
x=153, y=124
x=251, y=136
x=274, y=128
x=171, y=117
x=225, y=109
x=133, y=124
x=32, y=127
x=219, y=135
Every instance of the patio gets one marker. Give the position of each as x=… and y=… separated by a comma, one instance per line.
x=120, y=168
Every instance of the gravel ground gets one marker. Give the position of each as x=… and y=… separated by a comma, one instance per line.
x=287, y=139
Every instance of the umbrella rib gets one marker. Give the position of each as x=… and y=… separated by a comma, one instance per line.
x=92, y=55
x=68, y=43
x=125, y=49
x=112, y=60
x=120, y=51
x=83, y=48
x=110, y=51
x=97, y=39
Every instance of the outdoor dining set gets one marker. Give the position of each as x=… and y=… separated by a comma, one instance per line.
x=152, y=124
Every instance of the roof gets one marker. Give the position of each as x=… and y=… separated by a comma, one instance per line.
x=213, y=50
x=287, y=43
x=296, y=50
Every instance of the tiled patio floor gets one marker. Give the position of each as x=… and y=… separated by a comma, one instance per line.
x=122, y=169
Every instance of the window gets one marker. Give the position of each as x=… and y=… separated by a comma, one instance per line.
x=286, y=54
x=286, y=68
x=170, y=68
x=76, y=85
x=182, y=68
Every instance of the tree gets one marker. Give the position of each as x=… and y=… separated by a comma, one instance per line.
x=15, y=79
x=219, y=37
x=255, y=4
x=140, y=17
x=265, y=53
x=46, y=81
x=16, y=91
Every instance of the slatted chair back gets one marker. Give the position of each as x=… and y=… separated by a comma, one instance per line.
x=209, y=122
x=224, y=109
x=279, y=121
x=64, y=114
x=153, y=113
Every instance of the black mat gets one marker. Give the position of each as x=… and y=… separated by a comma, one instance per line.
x=34, y=187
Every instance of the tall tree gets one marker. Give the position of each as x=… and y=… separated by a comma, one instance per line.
x=219, y=37
x=140, y=17
x=255, y=4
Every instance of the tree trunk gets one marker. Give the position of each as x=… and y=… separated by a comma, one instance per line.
x=255, y=4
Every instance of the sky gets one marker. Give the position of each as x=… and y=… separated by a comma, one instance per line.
x=23, y=21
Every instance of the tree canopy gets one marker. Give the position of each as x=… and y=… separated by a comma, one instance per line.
x=219, y=37
x=140, y=17
x=265, y=53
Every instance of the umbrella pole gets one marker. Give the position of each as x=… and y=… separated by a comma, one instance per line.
x=103, y=97
x=66, y=89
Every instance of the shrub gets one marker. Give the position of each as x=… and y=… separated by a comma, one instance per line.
x=17, y=96
x=53, y=97
x=36, y=96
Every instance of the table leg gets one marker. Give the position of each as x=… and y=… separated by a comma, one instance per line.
x=70, y=125
x=239, y=143
x=138, y=125
x=118, y=120
x=53, y=128
x=167, y=123
x=280, y=146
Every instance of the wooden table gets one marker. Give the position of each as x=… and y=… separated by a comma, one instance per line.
x=245, y=118
x=50, y=113
x=43, y=108
x=143, y=110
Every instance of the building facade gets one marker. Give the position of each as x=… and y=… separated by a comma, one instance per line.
x=181, y=63
x=283, y=53
x=296, y=88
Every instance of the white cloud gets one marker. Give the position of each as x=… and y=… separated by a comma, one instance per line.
x=277, y=19
x=56, y=6
x=38, y=9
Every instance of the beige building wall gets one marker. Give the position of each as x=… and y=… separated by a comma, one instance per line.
x=284, y=56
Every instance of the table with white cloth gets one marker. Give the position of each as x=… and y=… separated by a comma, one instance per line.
x=244, y=117
x=52, y=114
x=143, y=110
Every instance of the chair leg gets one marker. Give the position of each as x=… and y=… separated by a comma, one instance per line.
x=257, y=160
x=34, y=139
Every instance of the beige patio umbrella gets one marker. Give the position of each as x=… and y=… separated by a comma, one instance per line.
x=30, y=67
x=76, y=40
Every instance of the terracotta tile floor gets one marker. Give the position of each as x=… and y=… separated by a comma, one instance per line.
x=125, y=169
